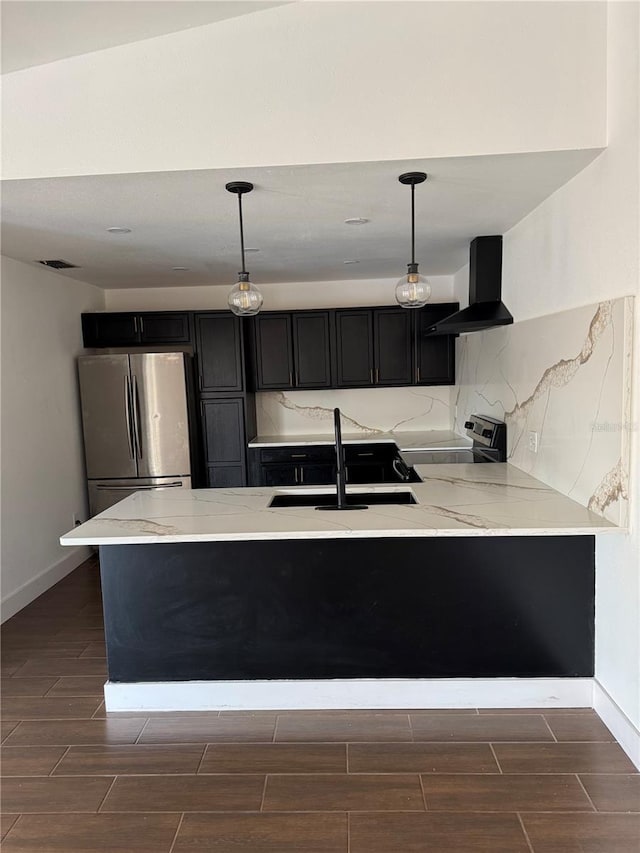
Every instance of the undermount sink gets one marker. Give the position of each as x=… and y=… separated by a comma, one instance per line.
x=314, y=499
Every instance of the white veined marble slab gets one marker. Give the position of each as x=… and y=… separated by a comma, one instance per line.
x=454, y=500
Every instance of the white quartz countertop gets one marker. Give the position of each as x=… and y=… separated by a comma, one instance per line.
x=435, y=439
x=454, y=500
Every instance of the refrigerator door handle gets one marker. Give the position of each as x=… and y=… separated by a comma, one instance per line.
x=136, y=417
x=177, y=484
x=127, y=413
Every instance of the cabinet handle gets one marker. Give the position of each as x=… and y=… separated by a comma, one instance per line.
x=200, y=381
x=290, y=378
x=301, y=476
x=298, y=455
x=295, y=475
x=377, y=375
x=371, y=375
x=141, y=325
x=418, y=374
x=135, y=325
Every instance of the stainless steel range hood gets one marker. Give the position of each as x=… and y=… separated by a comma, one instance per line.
x=485, y=308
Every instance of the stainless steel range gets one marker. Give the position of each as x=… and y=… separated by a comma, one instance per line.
x=489, y=444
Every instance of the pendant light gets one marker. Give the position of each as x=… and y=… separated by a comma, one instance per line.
x=245, y=300
x=413, y=290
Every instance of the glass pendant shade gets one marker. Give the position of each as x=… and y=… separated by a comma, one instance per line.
x=413, y=290
x=245, y=300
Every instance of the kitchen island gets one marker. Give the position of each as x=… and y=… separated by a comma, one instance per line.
x=214, y=599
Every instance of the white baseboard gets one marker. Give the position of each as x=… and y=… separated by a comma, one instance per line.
x=30, y=590
x=350, y=694
x=617, y=722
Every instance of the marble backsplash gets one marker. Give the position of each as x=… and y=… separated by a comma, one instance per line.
x=566, y=377
x=366, y=410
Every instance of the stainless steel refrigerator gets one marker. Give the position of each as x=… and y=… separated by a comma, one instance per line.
x=136, y=424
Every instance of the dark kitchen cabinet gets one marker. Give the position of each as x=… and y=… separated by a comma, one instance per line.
x=393, y=350
x=273, y=351
x=164, y=327
x=312, y=349
x=121, y=329
x=354, y=348
x=434, y=355
x=219, y=352
x=223, y=429
x=311, y=465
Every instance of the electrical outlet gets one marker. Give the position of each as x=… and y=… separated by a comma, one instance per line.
x=533, y=441
x=76, y=519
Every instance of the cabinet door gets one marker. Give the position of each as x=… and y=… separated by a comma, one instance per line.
x=311, y=349
x=280, y=475
x=218, y=338
x=226, y=477
x=164, y=327
x=354, y=344
x=223, y=431
x=274, y=356
x=110, y=329
x=317, y=475
x=393, y=350
x=435, y=356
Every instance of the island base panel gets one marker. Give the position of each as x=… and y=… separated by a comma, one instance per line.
x=467, y=607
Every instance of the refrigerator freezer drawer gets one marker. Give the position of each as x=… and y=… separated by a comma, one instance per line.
x=104, y=494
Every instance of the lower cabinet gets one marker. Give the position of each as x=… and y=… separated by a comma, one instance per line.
x=223, y=428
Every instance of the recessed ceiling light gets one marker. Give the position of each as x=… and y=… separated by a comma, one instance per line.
x=119, y=229
x=351, y=262
x=356, y=220
x=180, y=269
x=247, y=249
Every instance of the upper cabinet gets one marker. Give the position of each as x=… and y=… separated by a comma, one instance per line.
x=292, y=350
x=219, y=352
x=354, y=348
x=435, y=357
x=121, y=329
x=393, y=346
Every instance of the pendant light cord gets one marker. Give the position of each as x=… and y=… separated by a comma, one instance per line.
x=413, y=224
x=241, y=231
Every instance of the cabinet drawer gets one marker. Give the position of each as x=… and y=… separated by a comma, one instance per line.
x=312, y=453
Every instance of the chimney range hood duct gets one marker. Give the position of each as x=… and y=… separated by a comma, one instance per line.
x=485, y=289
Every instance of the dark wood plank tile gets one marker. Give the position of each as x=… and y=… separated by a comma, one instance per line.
x=421, y=758
x=437, y=833
x=343, y=793
x=78, y=685
x=583, y=833
x=263, y=833
x=578, y=727
x=81, y=635
x=613, y=793
x=500, y=793
x=129, y=760
x=99, y=833
x=95, y=650
x=544, y=711
x=26, y=686
x=75, y=732
x=6, y=822
x=48, y=708
x=275, y=758
x=33, y=794
x=562, y=758
x=29, y=760
x=17, y=649
x=208, y=728
x=185, y=794
x=482, y=727
x=64, y=666
x=355, y=726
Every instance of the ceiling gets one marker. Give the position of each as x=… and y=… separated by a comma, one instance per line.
x=295, y=217
x=35, y=32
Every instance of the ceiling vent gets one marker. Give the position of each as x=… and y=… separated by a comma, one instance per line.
x=59, y=265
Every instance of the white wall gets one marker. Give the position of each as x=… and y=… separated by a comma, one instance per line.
x=43, y=480
x=277, y=297
x=579, y=247
x=316, y=83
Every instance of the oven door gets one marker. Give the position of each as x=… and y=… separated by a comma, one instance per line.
x=433, y=457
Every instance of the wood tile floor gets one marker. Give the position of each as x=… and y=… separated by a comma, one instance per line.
x=76, y=779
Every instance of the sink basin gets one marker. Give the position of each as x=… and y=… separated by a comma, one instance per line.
x=313, y=499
